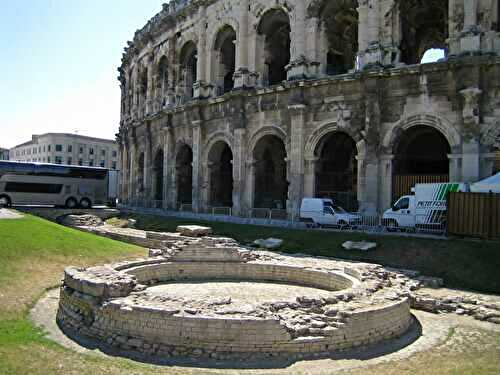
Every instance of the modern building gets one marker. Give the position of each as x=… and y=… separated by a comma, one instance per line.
x=4, y=154
x=255, y=104
x=72, y=149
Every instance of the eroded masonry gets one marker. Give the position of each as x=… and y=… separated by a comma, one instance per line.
x=248, y=104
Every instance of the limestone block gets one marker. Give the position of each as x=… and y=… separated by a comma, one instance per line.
x=362, y=246
x=193, y=230
x=270, y=243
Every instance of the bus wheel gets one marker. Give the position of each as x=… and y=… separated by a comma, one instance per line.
x=71, y=203
x=85, y=203
x=5, y=201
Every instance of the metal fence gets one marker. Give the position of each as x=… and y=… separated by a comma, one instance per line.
x=474, y=214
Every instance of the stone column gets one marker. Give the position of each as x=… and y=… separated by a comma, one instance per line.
x=296, y=175
x=385, y=172
x=249, y=185
x=147, y=169
x=470, y=38
x=131, y=175
x=201, y=89
x=370, y=51
x=310, y=178
x=368, y=184
x=167, y=161
x=239, y=152
x=242, y=76
x=455, y=167
x=196, y=165
x=297, y=68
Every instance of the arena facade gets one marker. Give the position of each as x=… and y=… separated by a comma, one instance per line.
x=251, y=105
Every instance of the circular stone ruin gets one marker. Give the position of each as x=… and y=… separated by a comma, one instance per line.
x=210, y=297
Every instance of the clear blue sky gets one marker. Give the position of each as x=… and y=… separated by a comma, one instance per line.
x=58, y=61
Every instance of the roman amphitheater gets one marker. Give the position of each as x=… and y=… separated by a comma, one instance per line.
x=253, y=104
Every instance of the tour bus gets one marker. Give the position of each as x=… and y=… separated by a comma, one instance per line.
x=56, y=185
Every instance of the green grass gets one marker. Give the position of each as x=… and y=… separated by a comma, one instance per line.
x=462, y=264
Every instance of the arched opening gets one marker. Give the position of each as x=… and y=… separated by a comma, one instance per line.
x=274, y=30
x=140, y=173
x=337, y=170
x=189, y=67
x=340, y=21
x=220, y=161
x=184, y=175
x=158, y=175
x=271, y=185
x=163, y=80
x=420, y=156
x=424, y=25
x=225, y=59
x=433, y=55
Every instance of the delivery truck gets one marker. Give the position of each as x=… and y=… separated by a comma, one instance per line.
x=424, y=209
x=319, y=212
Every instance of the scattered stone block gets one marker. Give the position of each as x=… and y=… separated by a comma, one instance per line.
x=361, y=246
x=270, y=243
x=194, y=230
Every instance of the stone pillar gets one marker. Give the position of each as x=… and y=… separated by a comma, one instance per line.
x=249, y=185
x=455, y=167
x=385, y=181
x=167, y=161
x=470, y=38
x=196, y=165
x=297, y=68
x=370, y=50
x=470, y=161
x=368, y=184
x=239, y=152
x=150, y=91
x=131, y=175
x=201, y=89
x=242, y=76
x=296, y=175
x=147, y=169
x=310, y=178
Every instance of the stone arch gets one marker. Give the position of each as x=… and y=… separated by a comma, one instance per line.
x=162, y=79
x=268, y=130
x=424, y=25
x=188, y=62
x=332, y=127
x=421, y=155
x=223, y=58
x=273, y=45
x=439, y=123
x=219, y=136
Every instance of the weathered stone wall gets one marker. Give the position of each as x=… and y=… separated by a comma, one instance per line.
x=375, y=102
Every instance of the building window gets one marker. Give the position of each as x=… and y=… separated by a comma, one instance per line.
x=43, y=148
x=81, y=150
x=91, y=163
x=80, y=162
x=113, y=165
x=70, y=148
x=49, y=147
x=58, y=160
x=103, y=163
x=70, y=161
x=103, y=152
x=59, y=148
x=115, y=154
x=91, y=151
x=48, y=159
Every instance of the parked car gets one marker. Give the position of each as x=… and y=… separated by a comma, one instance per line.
x=325, y=213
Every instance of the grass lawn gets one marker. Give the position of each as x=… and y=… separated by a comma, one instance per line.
x=462, y=264
x=33, y=254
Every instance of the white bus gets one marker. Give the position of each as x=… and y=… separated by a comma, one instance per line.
x=53, y=184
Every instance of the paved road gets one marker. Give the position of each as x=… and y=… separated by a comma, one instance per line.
x=7, y=214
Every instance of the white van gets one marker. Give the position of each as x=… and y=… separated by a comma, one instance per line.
x=323, y=212
x=426, y=209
